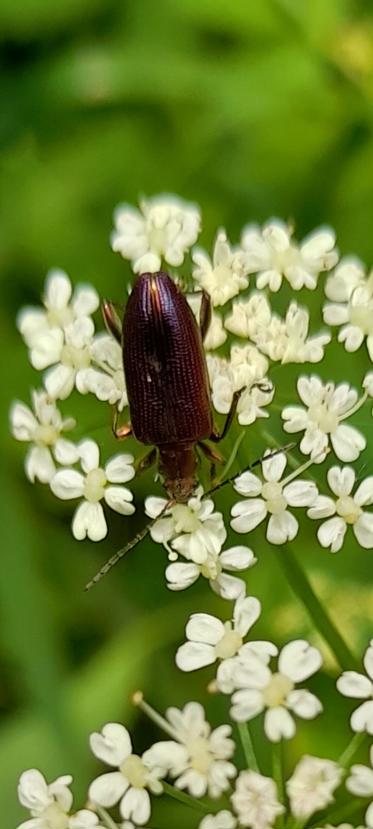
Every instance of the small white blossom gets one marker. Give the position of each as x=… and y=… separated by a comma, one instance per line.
x=60, y=311
x=271, y=498
x=216, y=334
x=192, y=530
x=341, y=284
x=261, y=690
x=224, y=275
x=245, y=370
x=94, y=485
x=281, y=340
x=346, y=510
x=255, y=800
x=272, y=254
x=181, y=575
x=210, y=639
x=198, y=757
x=327, y=406
x=105, y=377
x=360, y=686
x=50, y=804
x=42, y=427
x=355, y=316
x=360, y=783
x=132, y=780
x=164, y=227
x=312, y=785
x=222, y=820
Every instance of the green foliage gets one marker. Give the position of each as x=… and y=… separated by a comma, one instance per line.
x=252, y=110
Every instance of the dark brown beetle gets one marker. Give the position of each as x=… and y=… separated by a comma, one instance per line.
x=167, y=380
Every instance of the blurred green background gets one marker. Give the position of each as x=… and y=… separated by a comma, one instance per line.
x=252, y=109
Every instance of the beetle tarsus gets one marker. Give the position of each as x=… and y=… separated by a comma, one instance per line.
x=205, y=314
x=218, y=436
x=120, y=432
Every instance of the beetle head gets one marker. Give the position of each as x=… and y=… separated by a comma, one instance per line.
x=177, y=465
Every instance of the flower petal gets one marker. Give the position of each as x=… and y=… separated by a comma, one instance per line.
x=89, y=520
x=22, y=421
x=202, y=627
x=362, y=718
x=112, y=745
x=300, y=493
x=278, y=724
x=341, y=480
x=119, y=498
x=237, y=558
x=347, y=442
x=248, y=484
x=194, y=655
x=248, y=514
x=59, y=381
x=246, y=612
x=304, y=704
x=353, y=684
x=89, y=454
x=120, y=469
x=282, y=528
x=136, y=805
x=363, y=530
x=331, y=533
x=364, y=493
x=39, y=465
x=67, y=483
x=246, y=704
x=107, y=789
x=274, y=466
x=299, y=660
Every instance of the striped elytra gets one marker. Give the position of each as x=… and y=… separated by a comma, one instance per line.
x=164, y=365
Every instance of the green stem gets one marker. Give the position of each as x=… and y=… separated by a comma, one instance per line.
x=231, y=459
x=351, y=749
x=278, y=775
x=105, y=817
x=182, y=797
x=247, y=745
x=340, y=814
x=303, y=589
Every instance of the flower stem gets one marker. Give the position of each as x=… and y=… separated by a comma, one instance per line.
x=278, y=775
x=105, y=817
x=247, y=745
x=351, y=749
x=157, y=718
x=231, y=459
x=303, y=589
x=183, y=797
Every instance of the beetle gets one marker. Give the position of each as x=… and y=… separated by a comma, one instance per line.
x=167, y=386
x=167, y=380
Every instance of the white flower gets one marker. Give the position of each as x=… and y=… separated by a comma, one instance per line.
x=129, y=784
x=272, y=254
x=249, y=318
x=355, y=315
x=50, y=805
x=198, y=757
x=216, y=334
x=245, y=368
x=96, y=484
x=286, y=340
x=327, y=406
x=105, y=377
x=346, y=510
x=368, y=383
x=222, y=820
x=192, y=530
x=360, y=686
x=223, y=276
x=210, y=639
x=273, y=497
x=311, y=786
x=360, y=782
x=164, y=227
x=181, y=575
x=255, y=800
x=60, y=311
x=341, y=284
x=42, y=427
x=260, y=689
x=70, y=354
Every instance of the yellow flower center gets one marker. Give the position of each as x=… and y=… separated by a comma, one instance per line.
x=134, y=771
x=348, y=509
x=362, y=317
x=322, y=417
x=54, y=818
x=59, y=317
x=45, y=435
x=229, y=644
x=94, y=487
x=277, y=690
x=75, y=357
x=272, y=493
x=186, y=520
x=200, y=755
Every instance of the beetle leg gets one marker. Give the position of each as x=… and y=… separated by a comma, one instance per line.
x=112, y=320
x=205, y=314
x=215, y=436
x=120, y=432
x=146, y=461
x=211, y=454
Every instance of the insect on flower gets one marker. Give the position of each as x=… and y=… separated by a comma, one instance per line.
x=167, y=383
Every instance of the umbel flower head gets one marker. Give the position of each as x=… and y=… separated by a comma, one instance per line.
x=50, y=804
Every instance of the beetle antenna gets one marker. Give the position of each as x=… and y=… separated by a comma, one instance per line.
x=287, y=448
x=111, y=562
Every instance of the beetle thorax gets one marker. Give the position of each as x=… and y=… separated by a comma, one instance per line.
x=177, y=464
